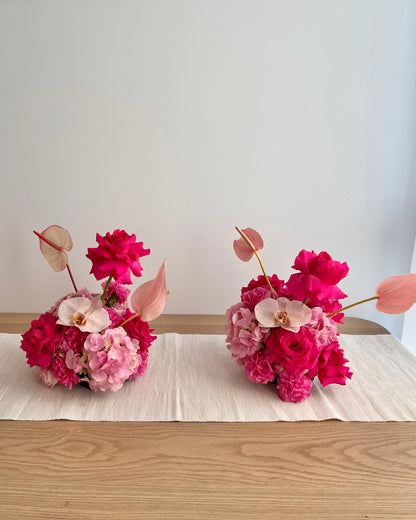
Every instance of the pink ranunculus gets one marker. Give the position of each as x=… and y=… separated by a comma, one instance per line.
x=297, y=352
x=41, y=341
x=331, y=366
x=258, y=367
x=316, y=281
x=112, y=358
x=396, y=294
x=293, y=388
x=324, y=328
x=116, y=255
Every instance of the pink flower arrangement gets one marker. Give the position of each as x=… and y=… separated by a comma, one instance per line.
x=286, y=332
x=94, y=339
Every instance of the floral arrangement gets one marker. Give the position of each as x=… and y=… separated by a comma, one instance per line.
x=94, y=339
x=286, y=332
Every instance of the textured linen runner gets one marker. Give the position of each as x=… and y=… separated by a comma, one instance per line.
x=194, y=378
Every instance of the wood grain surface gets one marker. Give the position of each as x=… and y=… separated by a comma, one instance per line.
x=325, y=470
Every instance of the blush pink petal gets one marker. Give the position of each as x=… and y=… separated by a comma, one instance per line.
x=298, y=313
x=396, y=294
x=53, y=242
x=96, y=318
x=242, y=249
x=149, y=299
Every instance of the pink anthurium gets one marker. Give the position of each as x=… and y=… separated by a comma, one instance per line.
x=249, y=242
x=149, y=299
x=282, y=312
x=53, y=242
x=396, y=294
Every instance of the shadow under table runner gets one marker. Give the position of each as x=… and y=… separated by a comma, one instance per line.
x=194, y=378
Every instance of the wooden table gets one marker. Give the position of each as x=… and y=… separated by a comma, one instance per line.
x=326, y=470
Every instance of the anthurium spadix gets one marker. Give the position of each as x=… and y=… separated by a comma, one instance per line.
x=149, y=299
x=53, y=242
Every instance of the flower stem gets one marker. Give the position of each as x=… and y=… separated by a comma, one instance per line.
x=250, y=243
x=129, y=319
x=107, y=285
x=72, y=278
x=353, y=305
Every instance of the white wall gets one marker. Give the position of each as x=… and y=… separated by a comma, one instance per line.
x=179, y=119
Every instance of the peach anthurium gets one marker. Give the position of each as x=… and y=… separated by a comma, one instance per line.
x=88, y=316
x=149, y=299
x=396, y=294
x=282, y=312
x=249, y=242
x=53, y=242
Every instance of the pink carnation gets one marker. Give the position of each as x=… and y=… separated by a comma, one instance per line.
x=116, y=255
x=140, y=330
x=250, y=298
x=116, y=295
x=275, y=282
x=113, y=358
x=293, y=388
x=41, y=341
x=64, y=375
x=258, y=368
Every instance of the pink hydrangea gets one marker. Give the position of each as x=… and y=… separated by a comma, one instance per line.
x=324, y=328
x=41, y=341
x=244, y=334
x=112, y=358
x=258, y=367
x=293, y=388
x=116, y=255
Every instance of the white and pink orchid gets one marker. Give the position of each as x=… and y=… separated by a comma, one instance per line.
x=88, y=316
x=282, y=312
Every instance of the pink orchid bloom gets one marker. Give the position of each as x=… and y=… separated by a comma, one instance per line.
x=289, y=315
x=149, y=299
x=53, y=242
x=244, y=247
x=396, y=294
x=88, y=316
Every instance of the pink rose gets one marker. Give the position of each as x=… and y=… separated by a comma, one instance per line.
x=258, y=368
x=48, y=379
x=293, y=388
x=317, y=280
x=116, y=255
x=41, y=341
x=295, y=351
x=331, y=366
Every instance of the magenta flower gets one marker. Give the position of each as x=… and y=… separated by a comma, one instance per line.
x=116, y=255
x=293, y=388
x=258, y=367
x=41, y=341
x=331, y=366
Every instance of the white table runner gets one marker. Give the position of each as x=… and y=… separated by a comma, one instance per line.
x=194, y=378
